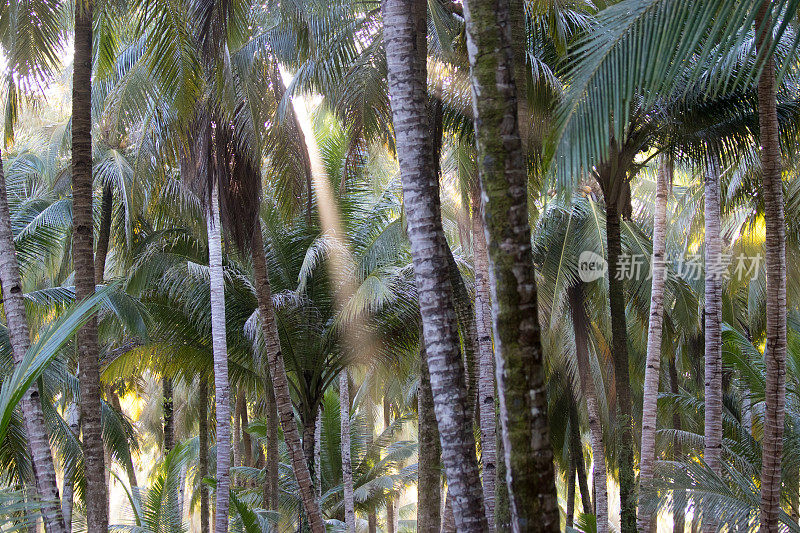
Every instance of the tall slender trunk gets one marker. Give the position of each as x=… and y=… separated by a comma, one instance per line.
x=96, y=495
x=169, y=418
x=317, y=475
x=202, y=463
x=619, y=334
x=570, y=511
x=391, y=501
x=405, y=24
x=520, y=374
x=67, y=499
x=580, y=324
x=576, y=451
x=712, y=453
x=272, y=458
x=678, y=513
x=372, y=518
x=347, y=466
x=247, y=443
x=280, y=383
x=775, y=352
x=103, y=234
x=486, y=370
x=220, y=347
x=429, y=491
x=654, y=329
x=33, y=417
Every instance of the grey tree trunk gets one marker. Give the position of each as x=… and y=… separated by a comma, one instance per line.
x=520, y=375
x=775, y=353
x=67, y=499
x=280, y=384
x=580, y=324
x=486, y=368
x=33, y=417
x=391, y=502
x=429, y=488
x=220, y=348
x=96, y=495
x=712, y=452
x=406, y=55
x=202, y=463
x=653, y=362
x=347, y=466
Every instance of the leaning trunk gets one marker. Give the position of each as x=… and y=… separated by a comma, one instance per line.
x=33, y=417
x=520, y=373
x=272, y=458
x=202, y=463
x=653, y=363
x=483, y=321
x=775, y=352
x=712, y=452
x=220, y=348
x=406, y=54
x=96, y=497
x=619, y=349
x=429, y=491
x=580, y=324
x=280, y=385
x=347, y=466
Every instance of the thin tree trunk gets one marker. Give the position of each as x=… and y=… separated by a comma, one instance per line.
x=220, y=347
x=33, y=417
x=280, y=385
x=653, y=362
x=576, y=450
x=429, y=487
x=202, y=463
x=347, y=466
x=486, y=369
x=169, y=418
x=247, y=443
x=619, y=334
x=103, y=234
x=678, y=513
x=712, y=453
x=570, y=512
x=67, y=499
x=318, y=454
x=372, y=518
x=580, y=324
x=775, y=351
x=406, y=54
x=391, y=519
x=520, y=374
x=310, y=449
x=272, y=458
x=96, y=496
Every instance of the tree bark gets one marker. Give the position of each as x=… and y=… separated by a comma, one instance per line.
x=391, y=518
x=406, y=56
x=576, y=451
x=220, y=348
x=653, y=362
x=103, y=234
x=67, y=499
x=619, y=334
x=273, y=458
x=775, y=351
x=202, y=463
x=486, y=367
x=712, y=452
x=678, y=514
x=580, y=323
x=502, y=169
x=247, y=443
x=96, y=495
x=33, y=417
x=429, y=488
x=570, y=511
x=317, y=474
x=347, y=466
x=169, y=418
x=280, y=385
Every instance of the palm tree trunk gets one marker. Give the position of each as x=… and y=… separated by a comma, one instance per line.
x=369, y=407
x=96, y=496
x=391, y=518
x=486, y=369
x=520, y=374
x=347, y=466
x=580, y=324
x=67, y=498
x=202, y=463
x=236, y=434
x=33, y=417
x=103, y=234
x=429, y=488
x=247, y=443
x=220, y=348
x=406, y=55
x=775, y=351
x=576, y=451
x=712, y=452
x=272, y=459
x=169, y=418
x=317, y=474
x=678, y=513
x=619, y=334
x=653, y=362
x=280, y=385
x=570, y=511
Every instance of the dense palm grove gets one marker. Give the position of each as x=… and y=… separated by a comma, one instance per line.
x=400, y=265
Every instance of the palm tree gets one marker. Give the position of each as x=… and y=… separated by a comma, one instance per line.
x=83, y=262
x=33, y=416
x=520, y=375
x=653, y=365
x=429, y=493
x=775, y=351
x=405, y=43
x=347, y=466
